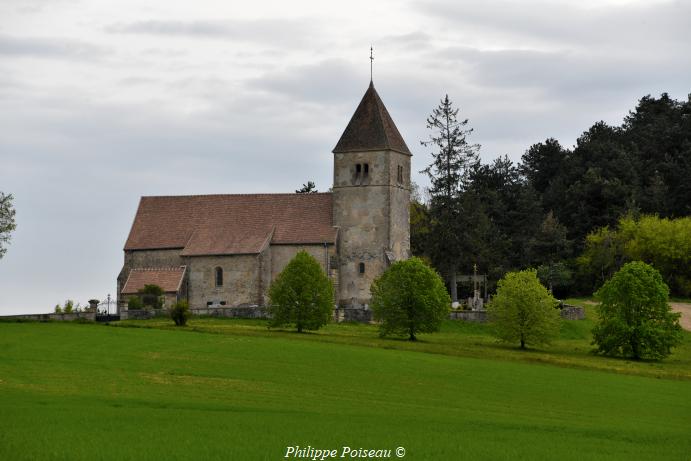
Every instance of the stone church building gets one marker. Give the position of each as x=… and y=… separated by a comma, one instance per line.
x=224, y=250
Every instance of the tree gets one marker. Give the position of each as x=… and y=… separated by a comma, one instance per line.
x=523, y=310
x=419, y=223
x=549, y=244
x=635, y=319
x=180, y=313
x=134, y=303
x=309, y=188
x=7, y=223
x=664, y=243
x=409, y=298
x=554, y=275
x=448, y=172
x=152, y=295
x=542, y=163
x=301, y=295
x=501, y=213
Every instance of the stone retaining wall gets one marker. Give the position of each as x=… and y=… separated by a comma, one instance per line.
x=52, y=317
x=251, y=312
x=347, y=314
x=569, y=312
x=469, y=316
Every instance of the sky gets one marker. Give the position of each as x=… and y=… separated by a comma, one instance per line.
x=102, y=102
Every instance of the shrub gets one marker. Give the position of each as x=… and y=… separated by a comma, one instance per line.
x=301, y=295
x=635, y=319
x=180, y=313
x=523, y=310
x=134, y=303
x=409, y=298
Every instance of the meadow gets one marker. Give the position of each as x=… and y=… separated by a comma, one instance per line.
x=232, y=389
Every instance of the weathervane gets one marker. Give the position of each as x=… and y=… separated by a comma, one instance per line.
x=371, y=62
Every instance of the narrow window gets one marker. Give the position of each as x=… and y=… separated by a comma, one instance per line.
x=358, y=171
x=362, y=268
x=219, y=277
x=366, y=170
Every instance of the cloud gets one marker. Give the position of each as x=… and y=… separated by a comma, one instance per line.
x=552, y=24
x=265, y=31
x=327, y=82
x=55, y=47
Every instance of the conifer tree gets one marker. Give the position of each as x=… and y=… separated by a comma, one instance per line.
x=452, y=158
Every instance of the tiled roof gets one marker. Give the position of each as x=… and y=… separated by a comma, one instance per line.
x=371, y=128
x=231, y=224
x=168, y=278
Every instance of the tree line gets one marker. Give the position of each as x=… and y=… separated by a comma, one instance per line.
x=543, y=211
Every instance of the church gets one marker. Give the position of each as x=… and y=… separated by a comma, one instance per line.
x=225, y=250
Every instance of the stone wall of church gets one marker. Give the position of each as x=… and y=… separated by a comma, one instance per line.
x=282, y=254
x=241, y=280
x=399, y=191
x=361, y=210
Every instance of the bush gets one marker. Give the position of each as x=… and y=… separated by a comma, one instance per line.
x=523, y=311
x=409, y=298
x=135, y=303
x=180, y=313
x=301, y=295
x=635, y=319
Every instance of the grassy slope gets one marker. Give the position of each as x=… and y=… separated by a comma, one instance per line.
x=71, y=391
x=572, y=349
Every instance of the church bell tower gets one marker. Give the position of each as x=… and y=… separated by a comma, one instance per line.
x=371, y=197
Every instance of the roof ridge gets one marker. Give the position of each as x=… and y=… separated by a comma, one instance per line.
x=176, y=268
x=240, y=195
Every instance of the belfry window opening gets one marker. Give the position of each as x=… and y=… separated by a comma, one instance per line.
x=219, y=277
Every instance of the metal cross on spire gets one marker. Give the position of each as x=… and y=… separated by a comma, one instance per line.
x=371, y=62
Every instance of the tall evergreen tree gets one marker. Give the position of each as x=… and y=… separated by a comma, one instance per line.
x=452, y=158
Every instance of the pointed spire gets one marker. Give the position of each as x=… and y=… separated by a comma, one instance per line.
x=371, y=128
x=371, y=62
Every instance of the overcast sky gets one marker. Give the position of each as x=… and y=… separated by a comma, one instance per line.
x=102, y=102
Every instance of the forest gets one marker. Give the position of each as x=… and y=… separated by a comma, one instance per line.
x=576, y=214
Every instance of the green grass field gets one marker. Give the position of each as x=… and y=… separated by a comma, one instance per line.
x=232, y=390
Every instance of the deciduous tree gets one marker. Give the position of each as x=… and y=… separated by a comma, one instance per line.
x=7, y=223
x=301, y=295
x=409, y=298
x=635, y=318
x=523, y=311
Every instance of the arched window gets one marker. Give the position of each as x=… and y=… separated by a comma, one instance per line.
x=219, y=277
